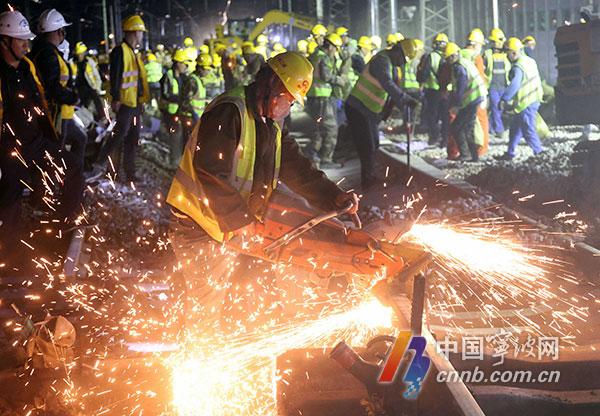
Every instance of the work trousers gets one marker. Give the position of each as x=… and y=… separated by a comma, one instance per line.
x=463, y=130
x=40, y=155
x=72, y=135
x=173, y=134
x=496, y=124
x=126, y=134
x=523, y=125
x=365, y=134
x=435, y=116
x=324, y=135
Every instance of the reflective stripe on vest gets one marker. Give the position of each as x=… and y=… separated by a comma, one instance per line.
x=198, y=100
x=475, y=84
x=186, y=193
x=409, y=77
x=134, y=72
x=531, y=87
x=66, y=111
x=369, y=91
x=320, y=88
x=432, y=81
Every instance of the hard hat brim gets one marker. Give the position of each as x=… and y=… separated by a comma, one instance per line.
x=24, y=36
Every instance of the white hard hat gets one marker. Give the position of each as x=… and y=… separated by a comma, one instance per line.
x=51, y=20
x=14, y=24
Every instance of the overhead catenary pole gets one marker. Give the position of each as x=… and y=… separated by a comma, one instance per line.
x=495, y=13
x=320, y=10
x=105, y=26
x=393, y=16
x=374, y=16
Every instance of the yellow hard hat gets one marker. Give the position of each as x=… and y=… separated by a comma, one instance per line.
x=335, y=40
x=529, y=38
x=365, y=42
x=312, y=45
x=203, y=49
x=204, y=60
x=181, y=56
x=133, y=24
x=391, y=39
x=262, y=39
x=376, y=41
x=220, y=47
x=216, y=58
x=399, y=36
x=80, y=48
x=295, y=71
x=341, y=31
x=319, y=30
x=497, y=35
x=188, y=42
x=302, y=45
x=410, y=48
x=151, y=57
x=278, y=47
x=441, y=37
x=476, y=36
x=247, y=47
x=451, y=49
x=419, y=45
x=513, y=44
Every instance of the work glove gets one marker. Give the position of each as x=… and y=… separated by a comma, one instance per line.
x=345, y=199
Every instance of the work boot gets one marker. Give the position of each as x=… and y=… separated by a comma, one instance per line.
x=505, y=156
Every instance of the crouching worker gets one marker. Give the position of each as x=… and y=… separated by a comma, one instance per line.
x=231, y=165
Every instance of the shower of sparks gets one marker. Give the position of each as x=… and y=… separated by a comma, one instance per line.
x=237, y=376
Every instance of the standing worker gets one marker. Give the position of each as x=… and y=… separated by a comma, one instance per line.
x=497, y=68
x=29, y=146
x=262, y=46
x=368, y=98
x=220, y=193
x=529, y=44
x=194, y=94
x=321, y=105
x=129, y=91
x=154, y=72
x=88, y=81
x=56, y=76
x=362, y=55
x=525, y=90
x=435, y=107
x=468, y=94
x=318, y=33
x=171, y=98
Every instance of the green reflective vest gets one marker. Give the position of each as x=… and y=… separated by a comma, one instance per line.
x=369, y=91
x=496, y=65
x=154, y=72
x=198, y=100
x=320, y=88
x=531, y=87
x=186, y=192
x=431, y=83
x=475, y=84
x=170, y=107
x=409, y=77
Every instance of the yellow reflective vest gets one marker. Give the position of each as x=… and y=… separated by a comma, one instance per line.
x=66, y=111
x=186, y=193
x=133, y=70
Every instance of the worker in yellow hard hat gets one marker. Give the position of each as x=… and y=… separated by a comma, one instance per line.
x=525, y=93
x=474, y=45
x=88, y=81
x=235, y=186
x=529, y=45
x=391, y=40
x=435, y=105
x=129, y=91
x=277, y=49
x=363, y=54
x=318, y=33
x=364, y=106
x=154, y=71
x=408, y=80
x=468, y=94
x=497, y=68
x=171, y=86
x=262, y=46
x=302, y=47
x=320, y=104
x=253, y=60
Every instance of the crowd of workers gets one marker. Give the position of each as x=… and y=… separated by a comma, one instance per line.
x=349, y=85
